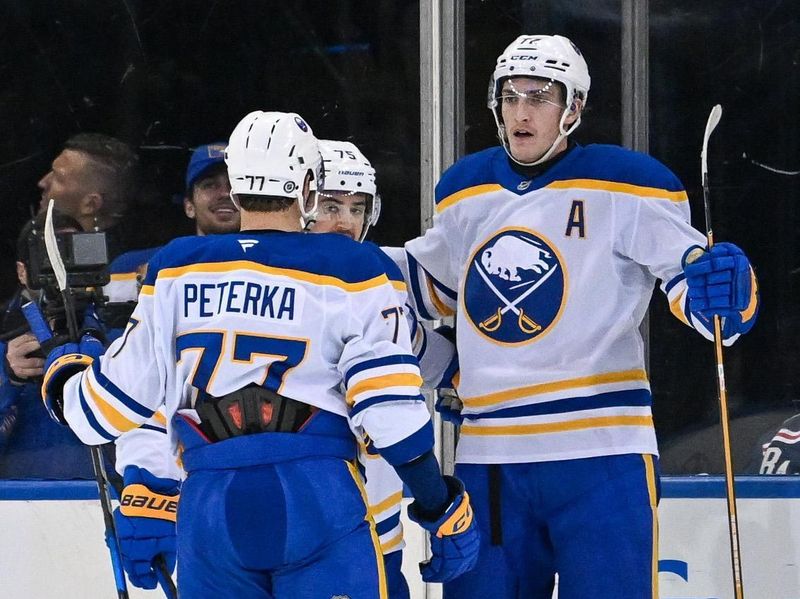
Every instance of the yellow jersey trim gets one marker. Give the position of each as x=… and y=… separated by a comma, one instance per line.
x=392, y=543
x=637, y=190
x=224, y=267
x=391, y=501
x=456, y=197
x=399, y=285
x=124, y=276
x=382, y=382
x=584, y=381
x=440, y=306
x=676, y=308
x=558, y=427
x=111, y=414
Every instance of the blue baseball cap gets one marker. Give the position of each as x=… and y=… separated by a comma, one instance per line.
x=203, y=158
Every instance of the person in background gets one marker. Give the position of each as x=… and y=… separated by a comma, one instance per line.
x=93, y=180
x=206, y=201
x=208, y=192
x=29, y=440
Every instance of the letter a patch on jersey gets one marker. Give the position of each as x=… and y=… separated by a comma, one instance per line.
x=514, y=290
x=576, y=220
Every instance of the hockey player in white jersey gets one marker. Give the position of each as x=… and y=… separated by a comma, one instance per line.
x=246, y=339
x=548, y=252
x=349, y=205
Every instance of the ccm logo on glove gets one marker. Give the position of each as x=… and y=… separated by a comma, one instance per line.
x=138, y=500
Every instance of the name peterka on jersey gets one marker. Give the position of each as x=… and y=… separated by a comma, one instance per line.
x=249, y=298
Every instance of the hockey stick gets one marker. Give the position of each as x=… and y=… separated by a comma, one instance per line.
x=722, y=392
x=97, y=457
x=98, y=464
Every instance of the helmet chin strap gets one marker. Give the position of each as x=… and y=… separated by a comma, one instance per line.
x=563, y=133
x=307, y=218
x=234, y=201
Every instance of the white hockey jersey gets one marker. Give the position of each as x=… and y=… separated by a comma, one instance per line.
x=296, y=313
x=142, y=447
x=549, y=279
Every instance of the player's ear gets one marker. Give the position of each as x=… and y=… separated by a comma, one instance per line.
x=574, y=111
x=188, y=208
x=22, y=273
x=91, y=204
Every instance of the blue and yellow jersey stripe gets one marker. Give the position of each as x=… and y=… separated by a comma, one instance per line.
x=566, y=385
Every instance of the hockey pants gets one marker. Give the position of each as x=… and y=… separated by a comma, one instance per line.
x=593, y=521
x=290, y=530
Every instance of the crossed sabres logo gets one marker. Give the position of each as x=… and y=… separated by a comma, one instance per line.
x=515, y=273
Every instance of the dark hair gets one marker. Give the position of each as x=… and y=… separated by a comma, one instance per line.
x=36, y=225
x=257, y=203
x=210, y=171
x=115, y=168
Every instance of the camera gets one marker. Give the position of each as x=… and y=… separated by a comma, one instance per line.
x=85, y=257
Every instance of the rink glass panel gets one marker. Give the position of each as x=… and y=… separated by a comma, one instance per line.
x=169, y=75
x=744, y=55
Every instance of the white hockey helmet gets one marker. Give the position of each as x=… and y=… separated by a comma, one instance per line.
x=552, y=57
x=347, y=170
x=270, y=154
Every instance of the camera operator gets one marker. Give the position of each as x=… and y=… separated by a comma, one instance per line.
x=93, y=180
x=27, y=434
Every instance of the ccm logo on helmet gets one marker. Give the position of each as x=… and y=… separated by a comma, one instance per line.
x=523, y=57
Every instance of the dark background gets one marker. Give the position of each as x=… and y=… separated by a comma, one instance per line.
x=168, y=75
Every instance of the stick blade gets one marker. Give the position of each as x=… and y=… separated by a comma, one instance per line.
x=713, y=120
x=51, y=244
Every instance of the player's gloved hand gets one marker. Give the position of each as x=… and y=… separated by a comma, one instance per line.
x=63, y=362
x=720, y=281
x=449, y=406
x=454, y=536
x=145, y=524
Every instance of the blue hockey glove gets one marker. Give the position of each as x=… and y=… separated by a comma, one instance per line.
x=721, y=281
x=62, y=362
x=145, y=524
x=454, y=536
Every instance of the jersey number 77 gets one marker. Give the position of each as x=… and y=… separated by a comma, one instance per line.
x=287, y=354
